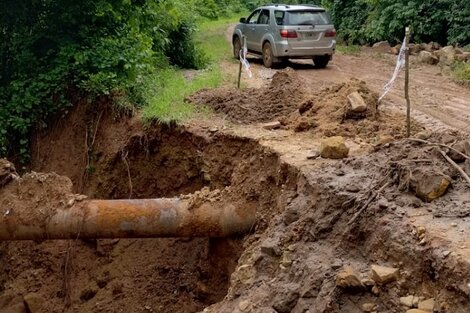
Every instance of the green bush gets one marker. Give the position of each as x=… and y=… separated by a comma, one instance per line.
x=368, y=21
x=461, y=71
x=52, y=51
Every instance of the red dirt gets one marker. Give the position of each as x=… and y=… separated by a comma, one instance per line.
x=252, y=105
x=326, y=114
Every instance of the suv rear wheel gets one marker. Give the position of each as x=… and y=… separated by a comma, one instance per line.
x=237, y=46
x=268, y=57
x=321, y=61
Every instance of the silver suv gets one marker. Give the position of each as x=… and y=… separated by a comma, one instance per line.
x=280, y=32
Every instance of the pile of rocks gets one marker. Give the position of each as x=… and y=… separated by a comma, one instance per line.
x=428, y=53
x=350, y=280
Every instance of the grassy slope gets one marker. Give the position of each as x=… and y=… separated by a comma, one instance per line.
x=168, y=103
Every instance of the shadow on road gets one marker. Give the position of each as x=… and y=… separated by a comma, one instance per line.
x=294, y=64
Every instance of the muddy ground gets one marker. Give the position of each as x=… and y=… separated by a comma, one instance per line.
x=322, y=224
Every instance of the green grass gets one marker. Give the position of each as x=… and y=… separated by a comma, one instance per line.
x=348, y=49
x=167, y=102
x=461, y=71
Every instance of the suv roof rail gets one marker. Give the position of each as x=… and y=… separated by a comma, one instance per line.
x=310, y=5
x=289, y=5
x=276, y=5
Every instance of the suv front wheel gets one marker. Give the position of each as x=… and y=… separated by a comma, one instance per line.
x=268, y=57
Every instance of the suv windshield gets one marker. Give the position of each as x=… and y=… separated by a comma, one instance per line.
x=302, y=17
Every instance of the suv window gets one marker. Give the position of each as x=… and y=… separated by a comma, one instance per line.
x=253, y=19
x=264, y=17
x=302, y=17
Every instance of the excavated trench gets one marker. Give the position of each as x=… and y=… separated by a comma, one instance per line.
x=301, y=240
x=156, y=275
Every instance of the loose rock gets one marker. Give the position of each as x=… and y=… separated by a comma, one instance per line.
x=426, y=57
x=313, y=154
x=381, y=47
x=334, y=148
x=416, y=311
x=271, y=247
x=407, y=301
x=447, y=55
x=272, y=125
x=348, y=279
x=34, y=303
x=384, y=275
x=368, y=307
x=427, y=305
x=428, y=185
x=357, y=103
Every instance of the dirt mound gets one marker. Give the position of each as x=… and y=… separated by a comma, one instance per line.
x=251, y=105
x=328, y=113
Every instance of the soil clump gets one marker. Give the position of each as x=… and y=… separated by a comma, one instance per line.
x=328, y=113
x=255, y=105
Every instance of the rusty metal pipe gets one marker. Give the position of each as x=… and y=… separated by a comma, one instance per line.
x=100, y=219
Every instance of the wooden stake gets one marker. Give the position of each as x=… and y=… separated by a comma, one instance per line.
x=407, y=82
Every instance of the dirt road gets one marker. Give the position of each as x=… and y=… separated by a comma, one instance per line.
x=436, y=99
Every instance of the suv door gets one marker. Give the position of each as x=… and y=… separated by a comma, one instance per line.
x=261, y=28
x=250, y=28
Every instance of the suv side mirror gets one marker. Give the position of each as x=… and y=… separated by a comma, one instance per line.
x=243, y=20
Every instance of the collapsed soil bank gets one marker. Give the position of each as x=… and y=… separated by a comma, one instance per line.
x=159, y=275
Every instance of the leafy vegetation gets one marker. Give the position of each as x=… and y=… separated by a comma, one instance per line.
x=367, y=21
x=131, y=52
x=55, y=51
x=348, y=49
x=167, y=103
x=461, y=71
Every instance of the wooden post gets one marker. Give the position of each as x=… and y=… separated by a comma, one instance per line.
x=240, y=67
x=407, y=82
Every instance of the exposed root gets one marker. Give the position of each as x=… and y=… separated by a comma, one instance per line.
x=126, y=162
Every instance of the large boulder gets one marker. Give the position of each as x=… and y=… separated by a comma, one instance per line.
x=382, y=47
x=415, y=48
x=446, y=55
x=334, y=148
x=426, y=57
x=427, y=184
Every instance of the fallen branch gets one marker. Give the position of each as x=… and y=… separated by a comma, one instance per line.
x=455, y=165
x=366, y=205
x=439, y=145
